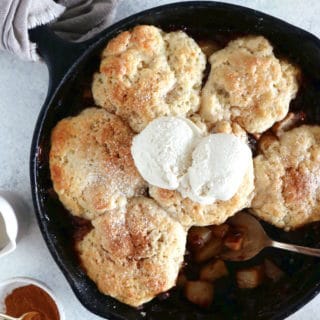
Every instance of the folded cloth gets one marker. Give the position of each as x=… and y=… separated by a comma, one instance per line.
x=84, y=19
x=78, y=20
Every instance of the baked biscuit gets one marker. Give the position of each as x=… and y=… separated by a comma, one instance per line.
x=249, y=85
x=147, y=73
x=91, y=164
x=287, y=178
x=190, y=213
x=136, y=255
x=230, y=128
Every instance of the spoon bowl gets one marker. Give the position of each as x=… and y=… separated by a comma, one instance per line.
x=255, y=240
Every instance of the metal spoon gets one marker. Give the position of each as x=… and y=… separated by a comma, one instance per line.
x=255, y=239
x=26, y=316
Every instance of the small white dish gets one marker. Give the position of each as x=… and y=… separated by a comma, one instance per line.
x=8, y=225
x=7, y=286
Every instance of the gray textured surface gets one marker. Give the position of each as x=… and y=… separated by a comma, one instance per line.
x=22, y=91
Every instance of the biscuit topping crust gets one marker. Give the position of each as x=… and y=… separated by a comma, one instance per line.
x=248, y=85
x=147, y=73
x=287, y=178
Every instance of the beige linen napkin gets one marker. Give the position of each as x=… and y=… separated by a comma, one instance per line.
x=73, y=20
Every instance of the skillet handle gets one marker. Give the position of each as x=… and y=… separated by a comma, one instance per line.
x=58, y=54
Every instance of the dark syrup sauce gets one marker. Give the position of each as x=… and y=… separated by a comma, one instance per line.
x=228, y=298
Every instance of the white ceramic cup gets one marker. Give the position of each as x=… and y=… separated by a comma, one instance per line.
x=7, y=286
x=8, y=225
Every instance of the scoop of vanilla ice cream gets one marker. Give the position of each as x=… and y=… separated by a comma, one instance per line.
x=162, y=151
x=219, y=163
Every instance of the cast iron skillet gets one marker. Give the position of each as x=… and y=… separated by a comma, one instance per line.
x=69, y=66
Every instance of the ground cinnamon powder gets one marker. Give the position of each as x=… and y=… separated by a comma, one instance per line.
x=31, y=298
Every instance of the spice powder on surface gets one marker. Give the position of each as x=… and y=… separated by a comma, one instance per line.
x=31, y=298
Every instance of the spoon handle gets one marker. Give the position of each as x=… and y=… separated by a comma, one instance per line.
x=292, y=247
x=6, y=317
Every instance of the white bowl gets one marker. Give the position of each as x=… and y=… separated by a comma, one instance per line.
x=7, y=286
x=8, y=225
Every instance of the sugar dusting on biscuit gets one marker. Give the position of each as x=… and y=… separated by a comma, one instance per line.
x=287, y=178
x=91, y=164
x=146, y=73
x=134, y=255
x=248, y=85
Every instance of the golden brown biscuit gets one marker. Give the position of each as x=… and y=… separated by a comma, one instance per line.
x=249, y=85
x=91, y=164
x=136, y=255
x=230, y=128
x=147, y=73
x=190, y=213
x=287, y=178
